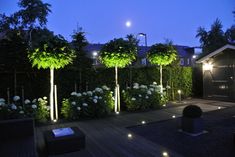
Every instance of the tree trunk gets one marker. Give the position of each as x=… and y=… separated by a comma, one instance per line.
x=161, y=79
x=117, y=92
x=51, y=94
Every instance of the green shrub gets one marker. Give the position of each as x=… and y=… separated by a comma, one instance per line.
x=37, y=109
x=142, y=97
x=42, y=111
x=90, y=104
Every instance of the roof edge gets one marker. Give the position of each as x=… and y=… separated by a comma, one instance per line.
x=228, y=46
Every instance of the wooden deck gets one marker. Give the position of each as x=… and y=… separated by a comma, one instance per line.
x=108, y=137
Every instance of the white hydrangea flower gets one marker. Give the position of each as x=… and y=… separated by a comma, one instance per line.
x=85, y=104
x=73, y=103
x=27, y=101
x=2, y=100
x=34, y=106
x=100, y=90
x=158, y=88
x=96, y=97
x=21, y=112
x=135, y=84
x=104, y=87
x=136, y=87
x=34, y=101
x=151, y=89
x=154, y=83
x=78, y=94
x=140, y=95
x=44, y=97
x=168, y=87
x=143, y=86
x=95, y=101
x=84, y=93
x=100, y=97
x=48, y=108
x=89, y=93
x=73, y=94
x=16, y=98
x=78, y=108
x=133, y=99
x=2, y=103
x=149, y=92
x=123, y=91
x=40, y=99
x=146, y=97
x=13, y=107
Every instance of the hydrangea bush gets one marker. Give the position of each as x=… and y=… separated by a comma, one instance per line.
x=89, y=104
x=36, y=108
x=143, y=97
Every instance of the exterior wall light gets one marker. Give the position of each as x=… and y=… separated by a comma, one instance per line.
x=207, y=66
x=94, y=54
x=129, y=136
x=194, y=56
x=165, y=154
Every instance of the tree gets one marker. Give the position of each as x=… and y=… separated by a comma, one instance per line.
x=213, y=39
x=132, y=39
x=118, y=53
x=230, y=34
x=32, y=12
x=82, y=63
x=161, y=55
x=32, y=15
x=55, y=53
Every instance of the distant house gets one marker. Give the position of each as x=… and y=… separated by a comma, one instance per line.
x=219, y=74
x=185, y=53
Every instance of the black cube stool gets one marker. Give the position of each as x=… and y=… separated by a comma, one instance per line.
x=64, y=144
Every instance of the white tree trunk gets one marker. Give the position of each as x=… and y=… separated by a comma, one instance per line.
x=117, y=92
x=52, y=94
x=161, y=79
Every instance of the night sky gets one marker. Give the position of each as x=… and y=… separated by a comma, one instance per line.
x=103, y=20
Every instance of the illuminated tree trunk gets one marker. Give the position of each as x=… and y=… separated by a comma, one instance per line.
x=117, y=92
x=52, y=94
x=161, y=79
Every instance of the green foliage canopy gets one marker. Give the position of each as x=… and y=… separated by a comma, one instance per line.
x=118, y=53
x=161, y=54
x=54, y=53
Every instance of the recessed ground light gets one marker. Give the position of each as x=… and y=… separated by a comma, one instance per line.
x=117, y=112
x=55, y=120
x=219, y=108
x=129, y=135
x=173, y=116
x=164, y=105
x=165, y=154
x=143, y=122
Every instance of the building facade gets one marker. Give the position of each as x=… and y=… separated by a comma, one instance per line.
x=219, y=74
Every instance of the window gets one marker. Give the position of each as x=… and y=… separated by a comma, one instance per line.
x=188, y=61
x=143, y=61
x=181, y=61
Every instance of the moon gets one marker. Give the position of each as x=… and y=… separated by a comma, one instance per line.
x=128, y=23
